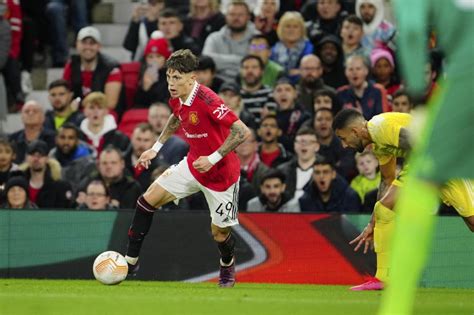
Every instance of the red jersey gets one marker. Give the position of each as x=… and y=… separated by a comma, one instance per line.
x=86, y=75
x=206, y=122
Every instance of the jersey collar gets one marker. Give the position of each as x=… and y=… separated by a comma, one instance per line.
x=191, y=96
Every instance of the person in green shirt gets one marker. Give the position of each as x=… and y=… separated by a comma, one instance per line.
x=368, y=178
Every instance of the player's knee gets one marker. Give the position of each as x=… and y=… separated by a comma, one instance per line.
x=470, y=223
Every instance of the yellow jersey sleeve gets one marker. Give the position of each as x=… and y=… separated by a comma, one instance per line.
x=384, y=129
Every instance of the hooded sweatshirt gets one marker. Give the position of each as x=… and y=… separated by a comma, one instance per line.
x=379, y=32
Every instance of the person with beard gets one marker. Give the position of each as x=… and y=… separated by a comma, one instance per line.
x=45, y=189
x=329, y=50
x=289, y=113
x=378, y=32
x=64, y=108
x=330, y=145
x=75, y=156
x=271, y=152
x=124, y=190
x=328, y=20
x=298, y=170
x=228, y=45
x=361, y=94
x=260, y=47
x=256, y=97
x=152, y=85
x=328, y=192
x=90, y=70
x=272, y=197
x=99, y=128
x=310, y=82
x=32, y=117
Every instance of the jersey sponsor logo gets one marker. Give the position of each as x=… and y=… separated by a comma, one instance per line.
x=221, y=111
x=193, y=118
x=195, y=135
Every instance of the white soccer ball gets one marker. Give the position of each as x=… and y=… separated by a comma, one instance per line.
x=110, y=268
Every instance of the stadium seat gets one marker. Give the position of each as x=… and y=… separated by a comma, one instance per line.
x=131, y=118
x=131, y=74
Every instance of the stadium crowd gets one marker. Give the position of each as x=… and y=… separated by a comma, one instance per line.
x=285, y=67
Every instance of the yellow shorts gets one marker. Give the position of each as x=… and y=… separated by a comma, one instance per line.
x=459, y=193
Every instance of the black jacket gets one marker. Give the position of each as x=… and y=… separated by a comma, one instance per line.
x=113, y=137
x=343, y=198
x=158, y=92
x=130, y=41
x=19, y=139
x=54, y=193
x=75, y=118
x=185, y=42
x=335, y=77
x=342, y=158
x=215, y=23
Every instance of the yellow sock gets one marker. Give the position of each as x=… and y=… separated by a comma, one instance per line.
x=384, y=223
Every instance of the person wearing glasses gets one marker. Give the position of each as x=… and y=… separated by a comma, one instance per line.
x=260, y=47
x=97, y=197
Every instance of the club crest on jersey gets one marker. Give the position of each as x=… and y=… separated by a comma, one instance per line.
x=221, y=111
x=193, y=118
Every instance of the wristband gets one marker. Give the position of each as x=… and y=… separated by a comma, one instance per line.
x=214, y=157
x=157, y=146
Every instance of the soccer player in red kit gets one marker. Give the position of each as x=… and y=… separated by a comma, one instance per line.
x=213, y=132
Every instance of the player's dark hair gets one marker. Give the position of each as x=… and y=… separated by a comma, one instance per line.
x=70, y=126
x=354, y=19
x=305, y=130
x=205, y=63
x=345, y=117
x=183, y=61
x=322, y=160
x=59, y=83
x=402, y=92
x=249, y=57
x=273, y=173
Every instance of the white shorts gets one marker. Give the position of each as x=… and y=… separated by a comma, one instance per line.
x=223, y=205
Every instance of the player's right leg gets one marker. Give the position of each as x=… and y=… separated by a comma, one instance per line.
x=175, y=183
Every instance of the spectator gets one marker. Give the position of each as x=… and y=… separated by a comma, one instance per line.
x=272, y=196
x=206, y=74
x=124, y=190
x=328, y=192
x=310, y=82
x=143, y=23
x=260, y=47
x=171, y=25
x=32, y=117
x=271, y=152
x=5, y=43
x=204, y=18
x=367, y=97
x=97, y=197
x=326, y=98
x=228, y=45
x=230, y=94
x=57, y=12
x=75, y=156
x=250, y=163
x=92, y=70
x=152, y=86
x=378, y=32
x=402, y=102
x=289, y=114
x=266, y=20
x=328, y=20
x=64, y=108
x=292, y=44
x=46, y=189
x=432, y=70
x=383, y=70
x=329, y=50
x=368, y=178
x=16, y=194
x=257, y=98
x=143, y=138
x=7, y=156
x=299, y=169
x=351, y=34
x=330, y=145
x=175, y=148
x=99, y=128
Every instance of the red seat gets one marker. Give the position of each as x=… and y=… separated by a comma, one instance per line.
x=131, y=118
x=131, y=75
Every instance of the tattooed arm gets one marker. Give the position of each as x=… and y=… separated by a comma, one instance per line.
x=387, y=172
x=170, y=128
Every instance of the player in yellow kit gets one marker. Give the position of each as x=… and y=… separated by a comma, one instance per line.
x=388, y=136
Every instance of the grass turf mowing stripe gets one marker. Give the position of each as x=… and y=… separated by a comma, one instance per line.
x=89, y=297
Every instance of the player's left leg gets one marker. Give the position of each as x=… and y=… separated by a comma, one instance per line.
x=223, y=207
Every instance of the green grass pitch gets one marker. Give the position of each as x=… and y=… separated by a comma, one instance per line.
x=84, y=297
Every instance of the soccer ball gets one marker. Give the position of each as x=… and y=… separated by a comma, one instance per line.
x=110, y=268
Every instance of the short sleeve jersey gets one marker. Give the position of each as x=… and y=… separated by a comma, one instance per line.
x=206, y=122
x=384, y=129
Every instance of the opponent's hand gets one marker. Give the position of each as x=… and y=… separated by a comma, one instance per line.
x=366, y=238
x=202, y=164
x=145, y=159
